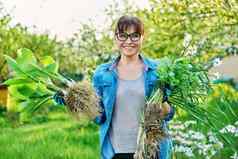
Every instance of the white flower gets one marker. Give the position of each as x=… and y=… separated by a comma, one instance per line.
x=170, y=1
x=213, y=152
x=190, y=122
x=191, y=132
x=162, y=11
x=212, y=139
x=220, y=145
x=216, y=75
x=186, y=150
x=228, y=129
x=236, y=123
x=187, y=40
x=191, y=50
x=189, y=152
x=200, y=145
x=179, y=148
x=179, y=139
x=235, y=156
x=198, y=136
x=194, y=5
x=185, y=135
x=207, y=147
x=171, y=9
x=217, y=61
x=236, y=132
x=199, y=151
x=207, y=157
x=178, y=126
x=152, y=30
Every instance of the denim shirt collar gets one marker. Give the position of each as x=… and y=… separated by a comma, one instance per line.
x=148, y=64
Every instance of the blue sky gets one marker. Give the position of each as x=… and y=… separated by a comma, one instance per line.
x=60, y=17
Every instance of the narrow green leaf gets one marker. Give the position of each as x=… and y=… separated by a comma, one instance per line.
x=16, y=81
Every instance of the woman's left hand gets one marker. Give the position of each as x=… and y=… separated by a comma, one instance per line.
x=165, y=109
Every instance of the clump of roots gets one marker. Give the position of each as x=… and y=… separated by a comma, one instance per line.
x=151, y=133
x=82, y=101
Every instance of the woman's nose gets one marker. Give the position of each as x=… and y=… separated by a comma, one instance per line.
x=128, y=40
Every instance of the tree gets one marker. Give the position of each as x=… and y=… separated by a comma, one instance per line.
x=207, y=26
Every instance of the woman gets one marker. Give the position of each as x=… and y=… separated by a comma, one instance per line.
x=123, y=85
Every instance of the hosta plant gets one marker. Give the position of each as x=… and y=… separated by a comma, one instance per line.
x=36, y=81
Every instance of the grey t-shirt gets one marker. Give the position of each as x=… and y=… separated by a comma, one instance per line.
x=130, y=101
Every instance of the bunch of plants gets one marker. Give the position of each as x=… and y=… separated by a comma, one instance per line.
x=185, y=83
x=36, y=82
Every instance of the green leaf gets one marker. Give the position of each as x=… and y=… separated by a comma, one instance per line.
x=13, y=64
x=50, y=64
x=44, y=73
x=27, y=89
x=33, y=105
x=24, y=58
x=53, y=68
x=13, y=90
x=47, y=60
x=19, y=72
x=16, y=81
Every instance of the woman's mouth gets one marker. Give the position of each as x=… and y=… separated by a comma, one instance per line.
x=128, y=47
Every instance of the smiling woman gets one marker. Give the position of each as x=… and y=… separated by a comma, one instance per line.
x=129, y=27
x=124, y=84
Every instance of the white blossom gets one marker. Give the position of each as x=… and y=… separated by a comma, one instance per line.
x=216, y=75
x=171, y=9
x=235, y=156
x=213, y=152
x=220, y=145
x=212, y=138
x=229, y=129
x=178, y=126
x=187, y=40
x=152, y=30
x=188, y=141
x=236, y=123
x=187, y=150
x=162, y=11
x=217, y=61
x=198, y=136
x=190, y=122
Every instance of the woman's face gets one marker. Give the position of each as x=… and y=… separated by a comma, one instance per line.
x=129, y=42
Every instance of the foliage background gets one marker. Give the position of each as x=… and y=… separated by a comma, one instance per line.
x=206, y=28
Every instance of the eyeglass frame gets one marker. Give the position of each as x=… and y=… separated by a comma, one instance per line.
x=128, y=35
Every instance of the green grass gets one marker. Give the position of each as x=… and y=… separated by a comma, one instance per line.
x=59, y=137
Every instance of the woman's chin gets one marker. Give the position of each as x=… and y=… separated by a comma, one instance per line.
x=129, y=54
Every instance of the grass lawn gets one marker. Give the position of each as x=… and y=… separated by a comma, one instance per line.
x=59, y=137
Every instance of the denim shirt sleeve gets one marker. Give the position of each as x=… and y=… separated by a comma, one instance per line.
x=98, y=88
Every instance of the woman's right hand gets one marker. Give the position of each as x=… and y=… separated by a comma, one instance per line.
x=59, y=98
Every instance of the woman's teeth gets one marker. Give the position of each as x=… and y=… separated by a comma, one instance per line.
x=128, y=46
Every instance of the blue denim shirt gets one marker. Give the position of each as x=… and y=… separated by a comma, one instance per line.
x=105, y=83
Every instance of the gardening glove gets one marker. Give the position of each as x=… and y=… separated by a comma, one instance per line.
x=59, y=98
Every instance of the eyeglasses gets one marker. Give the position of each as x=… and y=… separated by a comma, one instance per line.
x=124, y=36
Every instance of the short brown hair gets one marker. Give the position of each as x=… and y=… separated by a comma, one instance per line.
x=125, y=22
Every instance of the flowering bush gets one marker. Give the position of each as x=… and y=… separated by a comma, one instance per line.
x=189, y=143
